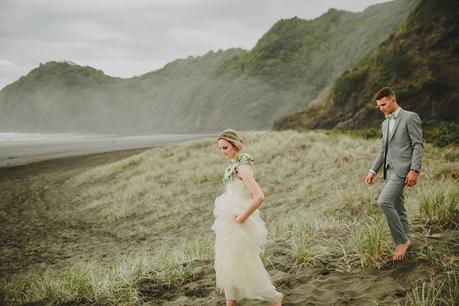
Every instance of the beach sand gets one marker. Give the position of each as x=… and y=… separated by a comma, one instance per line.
x=32, y=237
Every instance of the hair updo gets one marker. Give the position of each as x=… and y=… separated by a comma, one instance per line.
x=232, y=137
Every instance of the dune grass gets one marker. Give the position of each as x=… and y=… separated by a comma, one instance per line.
x=439, y=204
x=318, y=210
x=370, y=242
x=434, y=289
x=86, y=282
x=115, y=283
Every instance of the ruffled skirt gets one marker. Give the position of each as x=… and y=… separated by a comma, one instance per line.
x=238, y=266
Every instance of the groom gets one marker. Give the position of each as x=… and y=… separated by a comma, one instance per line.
x=400, y=156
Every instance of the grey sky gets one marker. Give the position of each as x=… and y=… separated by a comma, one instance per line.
x=126, y=38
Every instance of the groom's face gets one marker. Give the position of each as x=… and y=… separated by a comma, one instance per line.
x=387, y=105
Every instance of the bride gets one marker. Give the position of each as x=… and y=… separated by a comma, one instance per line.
x=240, y=231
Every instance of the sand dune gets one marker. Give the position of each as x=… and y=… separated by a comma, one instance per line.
x=90, y=218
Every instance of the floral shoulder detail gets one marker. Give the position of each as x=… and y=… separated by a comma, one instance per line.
x=245, y=158
x=231, y=170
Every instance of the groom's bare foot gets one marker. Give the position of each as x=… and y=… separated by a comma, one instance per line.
x=401, y=250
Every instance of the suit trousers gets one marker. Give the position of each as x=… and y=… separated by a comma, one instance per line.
x=392, y=202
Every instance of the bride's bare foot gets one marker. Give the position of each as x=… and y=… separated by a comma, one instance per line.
x=279, y=301
x=230, y=302
x=401, y=250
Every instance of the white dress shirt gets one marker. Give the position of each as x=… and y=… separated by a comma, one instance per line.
x=392, y=121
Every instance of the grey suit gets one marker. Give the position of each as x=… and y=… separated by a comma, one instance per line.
x=405, y=150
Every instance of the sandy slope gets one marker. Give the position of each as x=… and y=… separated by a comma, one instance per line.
x=32, y=235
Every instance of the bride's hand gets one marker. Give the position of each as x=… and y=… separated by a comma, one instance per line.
x=239, y=219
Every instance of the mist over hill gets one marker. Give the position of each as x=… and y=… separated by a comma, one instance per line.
x=294, y=62
x=420, y=61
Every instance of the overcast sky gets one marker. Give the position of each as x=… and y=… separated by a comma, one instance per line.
x=131, y=37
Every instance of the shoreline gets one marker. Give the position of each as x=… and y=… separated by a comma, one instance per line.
x=71, y=161
x=14, y=154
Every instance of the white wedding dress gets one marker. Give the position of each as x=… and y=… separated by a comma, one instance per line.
x=238, y=266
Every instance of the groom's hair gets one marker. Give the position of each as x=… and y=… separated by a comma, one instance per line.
x=384, y=92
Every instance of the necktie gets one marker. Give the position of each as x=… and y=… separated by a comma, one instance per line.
x=386, y=149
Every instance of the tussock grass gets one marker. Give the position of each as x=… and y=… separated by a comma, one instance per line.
x=452, y=288
x=114, y=284
x=370, y=243
x=439, y=204
x=169, y=270
x=426, y=292
x=301, y=242
x=436, y=289
x=89, y=282
x=451, y=154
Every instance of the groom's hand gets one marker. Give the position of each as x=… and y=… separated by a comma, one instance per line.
x=411, y=178
x=370, y=178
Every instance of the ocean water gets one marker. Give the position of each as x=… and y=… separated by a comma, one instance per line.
x=25, y=137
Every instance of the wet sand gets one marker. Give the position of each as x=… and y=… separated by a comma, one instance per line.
x=20, y=152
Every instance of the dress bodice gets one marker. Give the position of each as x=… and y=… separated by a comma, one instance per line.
x=234, y=186
x=238, y=188
x=236, y=197
x=231, y=170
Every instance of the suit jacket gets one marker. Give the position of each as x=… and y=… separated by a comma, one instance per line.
x=405, y=148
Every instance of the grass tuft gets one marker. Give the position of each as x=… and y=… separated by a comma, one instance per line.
x=370, y=243
x=439, y=205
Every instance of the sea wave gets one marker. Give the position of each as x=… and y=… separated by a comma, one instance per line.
x=20, y=137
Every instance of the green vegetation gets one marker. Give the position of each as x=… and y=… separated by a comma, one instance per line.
x=443, y=134
x=113, y=284
x=440, y=206
x=346, y=85
x=371, y=243
x=290, y=65
x=416, y=61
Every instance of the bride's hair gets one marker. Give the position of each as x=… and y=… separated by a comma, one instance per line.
x=232, y=137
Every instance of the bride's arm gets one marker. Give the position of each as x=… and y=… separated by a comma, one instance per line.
x=245, y=173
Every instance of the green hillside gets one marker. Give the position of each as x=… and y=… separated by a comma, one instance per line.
x=294, y=62
x=420, y=61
